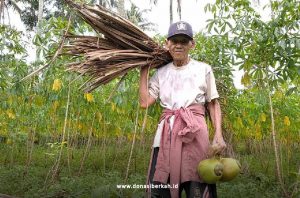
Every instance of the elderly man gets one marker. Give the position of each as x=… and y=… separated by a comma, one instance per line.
x=183, y=87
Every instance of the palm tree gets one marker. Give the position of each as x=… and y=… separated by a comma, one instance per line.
x=179, y=8
x=171, y=8
x=119, y=4
x=171, y=11
x=8, y=4
x=40, y=17
x=40, y=11
x=108, y=3
x=121, y=8
x=135, y=15
x=1, y=9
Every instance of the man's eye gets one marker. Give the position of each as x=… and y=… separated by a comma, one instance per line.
x=180, y=41
x=184, y=41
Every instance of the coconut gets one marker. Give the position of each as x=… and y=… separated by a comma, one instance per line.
x=210, y=170
x=231, y=168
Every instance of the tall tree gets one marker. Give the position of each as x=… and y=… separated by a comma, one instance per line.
x=1, y=8
x=121, y=8
x=40, y=17
x=171, y=11
x=135, y=15
x=171, y=8
x=179, y=8
x=8, y=4
x=40, y=11
x=108, y=3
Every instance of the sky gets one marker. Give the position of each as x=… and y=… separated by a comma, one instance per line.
x=192, y=12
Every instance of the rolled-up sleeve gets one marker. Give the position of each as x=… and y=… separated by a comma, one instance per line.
x=211, y=89
x=154, y=86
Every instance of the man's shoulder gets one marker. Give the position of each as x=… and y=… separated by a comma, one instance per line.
x=164, y=67
x=201, y=65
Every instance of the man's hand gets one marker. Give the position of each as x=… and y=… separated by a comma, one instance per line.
x=218, y=145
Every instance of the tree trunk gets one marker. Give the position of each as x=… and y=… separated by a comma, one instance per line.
x=40, y=12
x=40, y=17
x=132, y=144
x=179, y=8
x=1, y=9
x=88, y=146
x=171, y=12
x=121, y=8
x=277, y=158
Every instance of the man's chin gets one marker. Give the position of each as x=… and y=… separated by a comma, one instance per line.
x=178, y=59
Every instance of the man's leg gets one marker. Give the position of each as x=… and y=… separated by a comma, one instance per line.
x=199, y=190
x=157, y=192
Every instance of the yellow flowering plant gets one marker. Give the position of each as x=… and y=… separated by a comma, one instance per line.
x=89, y=97
x=57, y=84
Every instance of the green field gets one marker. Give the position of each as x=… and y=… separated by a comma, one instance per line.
x=106, y=166
x=58, y=141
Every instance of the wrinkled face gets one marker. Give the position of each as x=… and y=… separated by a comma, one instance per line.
x=179, y=47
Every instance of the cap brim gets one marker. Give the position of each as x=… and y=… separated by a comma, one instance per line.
x=181, y=34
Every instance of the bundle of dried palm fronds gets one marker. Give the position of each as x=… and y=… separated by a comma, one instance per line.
x=120, y=47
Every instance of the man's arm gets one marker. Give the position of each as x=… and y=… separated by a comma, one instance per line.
x=216, y=118
x=145, y=98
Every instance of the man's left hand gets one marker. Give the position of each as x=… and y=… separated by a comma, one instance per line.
x=218, y=144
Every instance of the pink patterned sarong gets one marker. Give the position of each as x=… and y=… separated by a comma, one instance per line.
x=183, y=147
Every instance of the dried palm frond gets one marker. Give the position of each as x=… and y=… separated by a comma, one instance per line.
x=120, y=47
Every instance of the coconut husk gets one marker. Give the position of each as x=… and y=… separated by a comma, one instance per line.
x=120, y=47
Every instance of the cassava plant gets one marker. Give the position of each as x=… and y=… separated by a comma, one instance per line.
x=267, y=51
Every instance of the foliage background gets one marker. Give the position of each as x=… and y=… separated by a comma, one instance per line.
x=57, y=141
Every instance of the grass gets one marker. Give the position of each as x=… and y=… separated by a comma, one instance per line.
x=105, y=167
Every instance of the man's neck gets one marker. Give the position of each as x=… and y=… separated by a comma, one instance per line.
x=180, y=63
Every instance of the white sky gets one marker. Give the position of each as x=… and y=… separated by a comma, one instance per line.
x=192, y=12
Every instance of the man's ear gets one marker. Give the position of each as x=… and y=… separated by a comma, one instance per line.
x=193, y=44
x=166, y=46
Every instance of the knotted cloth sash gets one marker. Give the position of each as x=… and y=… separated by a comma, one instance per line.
x=183, y=147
